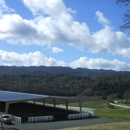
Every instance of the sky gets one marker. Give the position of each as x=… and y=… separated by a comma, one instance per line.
x=68, y=33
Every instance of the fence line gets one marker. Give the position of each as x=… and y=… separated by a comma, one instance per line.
x=16, y=118
x=40, y=118
x=125, y=107
x=80, y=116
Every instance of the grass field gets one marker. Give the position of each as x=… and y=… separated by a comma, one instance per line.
x=122, y=117
x=91, y=104
x=115, y=114
x=102, y=111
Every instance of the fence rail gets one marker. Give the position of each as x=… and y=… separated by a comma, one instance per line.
x=80, y=116
x=40, y=118
x=16, y=118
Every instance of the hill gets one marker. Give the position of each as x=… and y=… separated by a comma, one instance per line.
x=11, y=70
x=65, y=81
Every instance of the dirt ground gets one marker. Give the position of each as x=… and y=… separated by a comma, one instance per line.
x=105, y=126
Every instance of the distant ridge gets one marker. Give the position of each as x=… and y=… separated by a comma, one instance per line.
x=65, y=81
x=14, y=70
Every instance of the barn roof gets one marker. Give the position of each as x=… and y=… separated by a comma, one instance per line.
x=18, y=96
x=13, y=97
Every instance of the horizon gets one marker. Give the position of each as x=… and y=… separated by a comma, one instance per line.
x=62, y=67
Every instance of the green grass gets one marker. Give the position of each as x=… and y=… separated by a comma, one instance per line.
x=111, y=113
x=128, y=105
x=91, y=104
x=115, y=114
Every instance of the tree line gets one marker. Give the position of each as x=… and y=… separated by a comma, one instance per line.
x=67, y=84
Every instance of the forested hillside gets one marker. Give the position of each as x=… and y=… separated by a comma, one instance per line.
x=53, y=84
x=67, y=84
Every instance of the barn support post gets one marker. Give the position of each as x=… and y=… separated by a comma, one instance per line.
x=6, y=107
x=66, y=103
x=54, y=102
x=43, y=102
x=80, y=105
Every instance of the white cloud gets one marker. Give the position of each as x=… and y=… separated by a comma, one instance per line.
x=57, y=50
x=56, y=26
x=4, y=8
x=100, y=63
x=53, y=22
x=101, y=18
x=104, y=40
x=55, y=8
x=108, y=41
x=38, y=59
x=30, y=59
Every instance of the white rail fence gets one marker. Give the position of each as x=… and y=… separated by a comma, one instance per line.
x=80, y=116
x=16, y=118
x=51, y=117
x=69, y=116
x=124, y=107
x=40, y=118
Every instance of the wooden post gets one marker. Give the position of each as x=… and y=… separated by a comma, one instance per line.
x=6, y=107
x=54, y=102
x=43, y=102
x=66, y=103
x=80, y=105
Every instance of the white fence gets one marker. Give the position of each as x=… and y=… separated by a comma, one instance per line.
x=80, y=116
x=16, y=118
x=40, y=118
x=116, y=105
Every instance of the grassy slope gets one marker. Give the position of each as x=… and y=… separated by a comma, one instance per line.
x=91, y=104
x=115, y=114
x=111, y=113
x=121, y=115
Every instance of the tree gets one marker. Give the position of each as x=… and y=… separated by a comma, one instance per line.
x=104, y=95
x=127, y=96
x=126, y=2
x=119, y=95
x=126, y=19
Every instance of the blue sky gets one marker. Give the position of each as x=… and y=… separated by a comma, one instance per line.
x=71, y=33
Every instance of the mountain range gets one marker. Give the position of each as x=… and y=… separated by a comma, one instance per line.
x=18, y=70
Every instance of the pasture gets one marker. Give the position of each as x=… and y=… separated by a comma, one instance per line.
x=101, y=109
